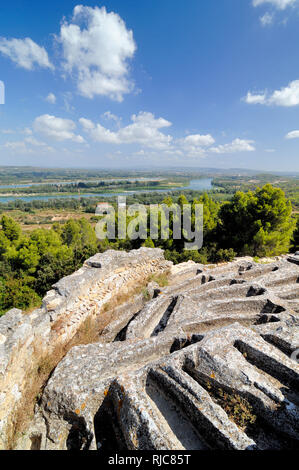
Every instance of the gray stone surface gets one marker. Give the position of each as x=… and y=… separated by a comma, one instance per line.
x=204, y=364
x=29, y=341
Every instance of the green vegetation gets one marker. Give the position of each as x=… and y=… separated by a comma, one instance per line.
x=30, y=264
x=289, y=184
x=81, y=187
x=160, y=279
x=20, y=175
x=237, y=408
x=257, y=223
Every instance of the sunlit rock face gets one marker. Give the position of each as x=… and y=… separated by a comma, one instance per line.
x=207, y=362
x=31, y=344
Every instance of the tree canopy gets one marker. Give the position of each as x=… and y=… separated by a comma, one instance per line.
x=257, y=223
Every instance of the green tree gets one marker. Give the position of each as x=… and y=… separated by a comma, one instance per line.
x=27, y=256
x=182, y=200
x=257, y=223
x=210, y=213
x=4, y=244
x=52, y=267
x=16, y=293
x=148, y=243
x=80, y=236
x=11, y=228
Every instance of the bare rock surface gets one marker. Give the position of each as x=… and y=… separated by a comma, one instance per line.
x=207, y=363
x=31, y=343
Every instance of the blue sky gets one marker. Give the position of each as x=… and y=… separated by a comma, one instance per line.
x=140, y=83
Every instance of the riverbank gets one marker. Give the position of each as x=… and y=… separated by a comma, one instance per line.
x=203, y=184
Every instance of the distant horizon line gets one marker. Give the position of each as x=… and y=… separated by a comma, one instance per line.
x=151, y=168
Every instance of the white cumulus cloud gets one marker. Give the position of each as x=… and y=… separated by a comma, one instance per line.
x=252, y=98
x=194, y=145
x=198, y=140
x=97, y=47
x=25, y=53
x=237, y=145
x=51, y=98
x=144, y=130
x=287, y=96
x=292, y=135
x=57, y=128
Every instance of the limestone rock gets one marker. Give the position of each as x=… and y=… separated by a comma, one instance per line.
x=204, y=364
x=33, y=342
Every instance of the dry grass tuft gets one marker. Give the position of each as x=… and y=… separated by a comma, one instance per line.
x=237, y=408
x=160, y=279
x=36, y=380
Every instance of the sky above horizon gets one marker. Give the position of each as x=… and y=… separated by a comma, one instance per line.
x=124, y=84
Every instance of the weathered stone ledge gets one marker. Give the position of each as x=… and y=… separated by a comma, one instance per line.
x=27, y=339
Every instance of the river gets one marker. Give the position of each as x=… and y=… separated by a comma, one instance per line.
x=202, y=184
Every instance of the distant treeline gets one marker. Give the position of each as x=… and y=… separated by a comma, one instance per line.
x=88, y=204
x=82, y=186
x=9, y=174
x=232, y=184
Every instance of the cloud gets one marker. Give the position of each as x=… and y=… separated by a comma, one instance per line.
x=144, y=130
x=51, y=98
x=27, y=131
x=30, y=145
x=267, y=19
x=57, y=128
x=16, y=146
x=198, y=140
x=193, y=145
x=255, y=98
x=237, y=145
x=96, y=48
x=287, y=96
x=25, y=53
x=33, y=141
x=279, y=4
x=292, y=135
x=67, y=99
x=112, y=117
x=99, y=133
